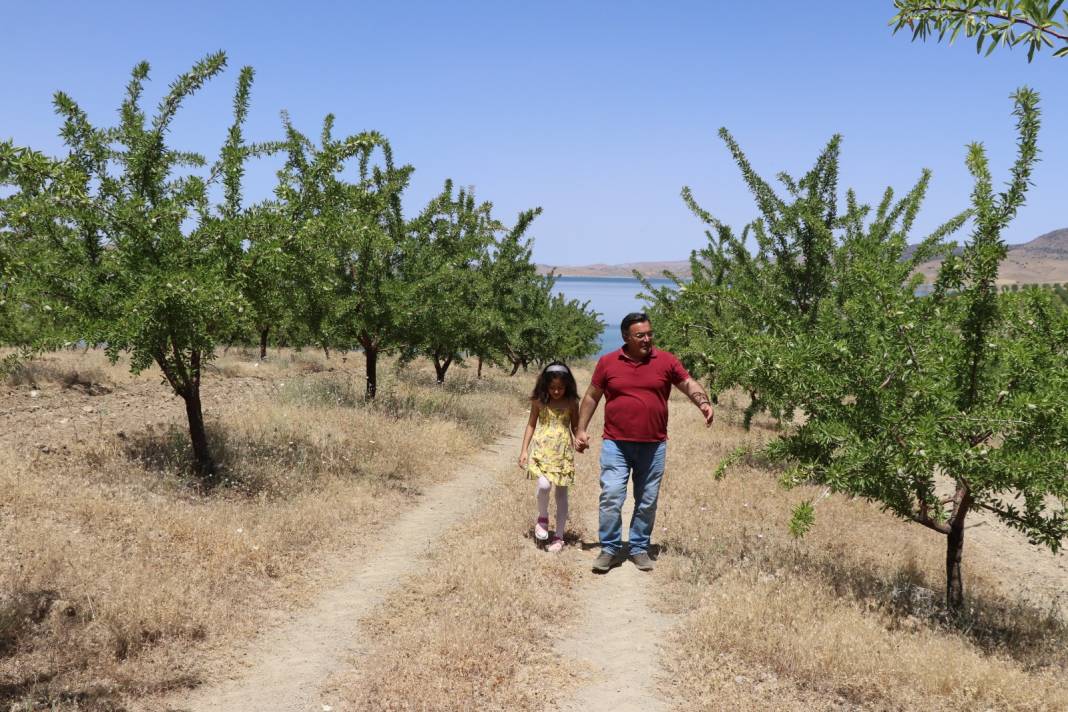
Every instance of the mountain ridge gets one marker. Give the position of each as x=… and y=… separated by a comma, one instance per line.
x=1040, y=260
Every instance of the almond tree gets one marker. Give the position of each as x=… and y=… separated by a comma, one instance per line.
x=447, y=243
x=507, y=275
x=730, y=321
x=377, y=316
x=550, y=327
x=22, y=321
x=129, y=252
x=266, y=272
x=345, y=241
x=573, y=330
x=931, y=406
x=9, y=317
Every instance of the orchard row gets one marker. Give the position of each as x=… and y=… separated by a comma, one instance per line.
x=119, y=243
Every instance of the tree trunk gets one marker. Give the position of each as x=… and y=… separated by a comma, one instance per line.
x=326, y=350
x=370, y=354
x=440, y=367
x=185, y=382
x=480, y=368
x=515, y=367
x=263, y=342
x=202, y=462
x=954, y=555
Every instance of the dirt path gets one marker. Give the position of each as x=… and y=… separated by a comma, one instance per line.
x=286, y=667
x=616, y=647
x=1034, y=573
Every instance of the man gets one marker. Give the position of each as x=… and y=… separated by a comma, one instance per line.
x=636, y=381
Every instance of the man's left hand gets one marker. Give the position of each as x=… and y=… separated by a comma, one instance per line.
x=706, y=410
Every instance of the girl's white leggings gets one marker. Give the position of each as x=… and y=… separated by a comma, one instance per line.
x=561, y=504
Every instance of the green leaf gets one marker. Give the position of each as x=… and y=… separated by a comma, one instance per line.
x=802, y=519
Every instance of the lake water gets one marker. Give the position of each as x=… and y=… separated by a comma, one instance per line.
x=615, y=297
x=612, y=297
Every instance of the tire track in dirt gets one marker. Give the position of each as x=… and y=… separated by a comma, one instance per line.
x=288, y=665
x=616, y=646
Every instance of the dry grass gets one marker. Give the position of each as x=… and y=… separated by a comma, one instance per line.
x=850, y=615
x=87, y=375
x=848, y=618
x=121, y=578
x=476, y=631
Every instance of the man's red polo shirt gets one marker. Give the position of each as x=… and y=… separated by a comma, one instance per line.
x=636, y=394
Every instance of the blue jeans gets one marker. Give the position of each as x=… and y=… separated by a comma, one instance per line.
x=619, y=459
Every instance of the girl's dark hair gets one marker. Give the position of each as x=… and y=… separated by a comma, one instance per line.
x=541, y=386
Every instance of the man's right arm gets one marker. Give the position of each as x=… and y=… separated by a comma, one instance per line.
x=586, y=409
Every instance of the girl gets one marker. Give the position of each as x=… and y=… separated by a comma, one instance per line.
x=554, y=412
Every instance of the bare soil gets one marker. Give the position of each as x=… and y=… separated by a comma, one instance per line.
x=50, y=419
x=1033, y=573
x=614, y=652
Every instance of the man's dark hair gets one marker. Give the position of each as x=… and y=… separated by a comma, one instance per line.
x=632, y=318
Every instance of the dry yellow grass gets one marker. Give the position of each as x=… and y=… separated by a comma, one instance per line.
x=846, y=618
x=841, y=617
x=476, y=631
x=120, y=578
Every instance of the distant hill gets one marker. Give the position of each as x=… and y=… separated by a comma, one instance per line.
x=1052, y=245
x=1043, y=259
x=910, y=250
x=646, y=269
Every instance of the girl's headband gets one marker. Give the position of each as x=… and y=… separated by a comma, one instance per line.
x=557, y=368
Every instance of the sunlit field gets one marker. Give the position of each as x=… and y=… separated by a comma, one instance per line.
x=849, y=617
x=121, y=576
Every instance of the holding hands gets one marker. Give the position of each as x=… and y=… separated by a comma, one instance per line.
x=582, y=441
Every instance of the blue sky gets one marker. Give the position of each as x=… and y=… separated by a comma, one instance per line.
x=597, y=111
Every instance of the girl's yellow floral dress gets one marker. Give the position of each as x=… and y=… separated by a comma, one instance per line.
x=551, y=454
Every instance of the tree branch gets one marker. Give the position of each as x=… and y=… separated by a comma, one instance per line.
x=988, y=15
x=925, y=520
x=1002, y=513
